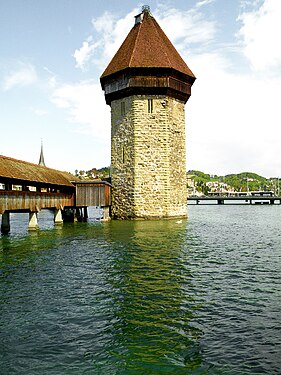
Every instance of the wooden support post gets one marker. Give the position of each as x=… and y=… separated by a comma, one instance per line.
x=85, y=217
x=68, y=215
x=5, y=223
x=106, y=213
x=33, y=221
x=78, y=214
x=58, y=217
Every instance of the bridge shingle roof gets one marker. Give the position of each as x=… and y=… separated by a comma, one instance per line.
x=23, y=171
x=146, y=46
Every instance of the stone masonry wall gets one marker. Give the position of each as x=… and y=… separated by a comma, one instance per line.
x=148, y=157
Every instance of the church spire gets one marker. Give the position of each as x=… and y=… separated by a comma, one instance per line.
x=41, y=159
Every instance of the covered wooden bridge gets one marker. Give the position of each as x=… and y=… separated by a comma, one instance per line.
x=27, y=187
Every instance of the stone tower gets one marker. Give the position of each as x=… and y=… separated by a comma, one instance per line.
x=147, y=84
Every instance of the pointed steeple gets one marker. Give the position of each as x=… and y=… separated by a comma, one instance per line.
x=41, y=159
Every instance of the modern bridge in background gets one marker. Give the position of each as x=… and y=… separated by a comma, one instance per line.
x=244, y=199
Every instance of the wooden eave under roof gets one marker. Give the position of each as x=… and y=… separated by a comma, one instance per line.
x=18, y=170
x=147, y=46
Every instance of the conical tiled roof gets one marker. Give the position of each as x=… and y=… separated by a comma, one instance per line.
x=147, y=46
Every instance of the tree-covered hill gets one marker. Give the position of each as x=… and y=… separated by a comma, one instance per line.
x=245, y=181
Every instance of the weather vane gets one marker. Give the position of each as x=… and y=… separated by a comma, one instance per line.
x=146, y=8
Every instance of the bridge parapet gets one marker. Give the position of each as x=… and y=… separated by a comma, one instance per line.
x=13, y=200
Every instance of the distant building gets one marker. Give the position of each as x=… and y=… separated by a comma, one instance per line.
x=219, y=187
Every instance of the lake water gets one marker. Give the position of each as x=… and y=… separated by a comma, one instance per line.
x=200, y=296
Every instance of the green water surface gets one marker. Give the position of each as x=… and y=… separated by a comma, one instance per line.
x=197, y=296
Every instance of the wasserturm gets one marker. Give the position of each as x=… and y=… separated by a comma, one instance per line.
x=147, y=84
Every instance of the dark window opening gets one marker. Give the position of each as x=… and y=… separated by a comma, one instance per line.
x=122, y=108
x=150, y=105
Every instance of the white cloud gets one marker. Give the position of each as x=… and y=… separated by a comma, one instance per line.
x=52, y=79
x=231, y=127
x=192, y=27
x=39, y=112
x=260, y=35
x=52, y=82
x=85, y=105
x=113, y=31
x=203, y=2
x=24, y=75
x=108, y=34
x=83, y=55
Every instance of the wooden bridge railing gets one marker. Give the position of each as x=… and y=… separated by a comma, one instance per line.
x=14, y=200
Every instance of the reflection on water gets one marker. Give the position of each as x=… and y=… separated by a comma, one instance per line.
x=148, y=297
x=154, y=316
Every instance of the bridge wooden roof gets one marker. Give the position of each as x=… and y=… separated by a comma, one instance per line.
x=23, y=171
x=146, y=46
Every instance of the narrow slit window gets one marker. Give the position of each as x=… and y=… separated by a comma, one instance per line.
x=122, y=108
x=150, y=105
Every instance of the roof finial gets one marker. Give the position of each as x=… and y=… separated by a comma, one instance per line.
x=139, y=17
x=41, y=159
x=145, y=8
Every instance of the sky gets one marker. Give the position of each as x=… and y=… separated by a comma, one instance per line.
x=53, y=52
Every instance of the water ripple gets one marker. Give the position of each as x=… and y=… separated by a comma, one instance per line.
x=200, y=297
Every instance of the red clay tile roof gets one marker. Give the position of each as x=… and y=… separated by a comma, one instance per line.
x=22, y=170
x=147, y=46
